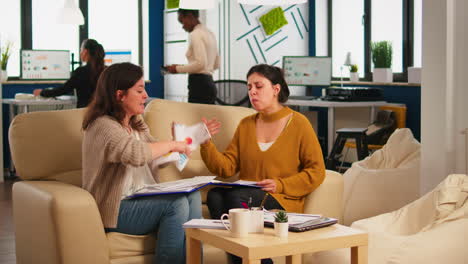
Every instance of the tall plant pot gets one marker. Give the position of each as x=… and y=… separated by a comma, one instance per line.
x=3, y=75
x=384, y=75
x=354, y=77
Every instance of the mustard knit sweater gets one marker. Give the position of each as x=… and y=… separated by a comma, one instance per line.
x=294, y=160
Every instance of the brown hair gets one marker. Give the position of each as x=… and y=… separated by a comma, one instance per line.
x=96, y=58
x=119, y=76
x=275, y=75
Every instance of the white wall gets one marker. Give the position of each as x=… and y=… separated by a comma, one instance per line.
x=238, y=52
x=443, y=92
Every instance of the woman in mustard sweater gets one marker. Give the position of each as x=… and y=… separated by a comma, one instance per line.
x=277, y=147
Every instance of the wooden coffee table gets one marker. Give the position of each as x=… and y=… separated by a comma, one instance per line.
x=255, y=247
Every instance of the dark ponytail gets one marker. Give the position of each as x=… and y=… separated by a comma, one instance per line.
x=275, y=75
x=96, y=58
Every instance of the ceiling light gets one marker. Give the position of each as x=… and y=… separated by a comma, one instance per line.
x=70, y=14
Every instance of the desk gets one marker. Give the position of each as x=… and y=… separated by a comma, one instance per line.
x=259, y=246
x=22, y=106
x=331, y=105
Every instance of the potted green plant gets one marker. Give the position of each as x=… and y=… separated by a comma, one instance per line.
x=353, y=73
x=382, y=59
x=281, y=224
x=4, y=57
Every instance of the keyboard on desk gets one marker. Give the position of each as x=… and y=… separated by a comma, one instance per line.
x=302, y=97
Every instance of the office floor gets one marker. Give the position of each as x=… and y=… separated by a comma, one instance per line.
x=7, y=236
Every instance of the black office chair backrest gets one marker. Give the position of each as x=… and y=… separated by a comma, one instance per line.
x=383, y=126
x=232, y=92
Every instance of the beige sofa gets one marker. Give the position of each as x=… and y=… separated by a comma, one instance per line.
x=56, y=221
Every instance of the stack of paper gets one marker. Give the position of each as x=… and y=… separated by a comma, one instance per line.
x=205, y=223
x=186, y=186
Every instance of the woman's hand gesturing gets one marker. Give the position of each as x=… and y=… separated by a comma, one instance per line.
x=213, y=126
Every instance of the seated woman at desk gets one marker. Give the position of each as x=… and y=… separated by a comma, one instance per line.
x=118, y=151
x=276, y=147
x=84, y=78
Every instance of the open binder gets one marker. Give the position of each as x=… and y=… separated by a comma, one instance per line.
x=186, y=186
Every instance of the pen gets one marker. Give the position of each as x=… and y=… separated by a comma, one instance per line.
x=264, y=199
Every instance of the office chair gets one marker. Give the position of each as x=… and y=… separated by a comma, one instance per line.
x=232, y=92
x=369, y=139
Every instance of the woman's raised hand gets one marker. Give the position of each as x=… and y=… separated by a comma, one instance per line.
x=213, y=126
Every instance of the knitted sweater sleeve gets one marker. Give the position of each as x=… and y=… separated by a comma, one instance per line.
x=224, y=164
x=312, y=170
x=119, y=146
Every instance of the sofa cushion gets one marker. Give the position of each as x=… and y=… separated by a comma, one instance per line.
x=47, y=145
x=123, y=245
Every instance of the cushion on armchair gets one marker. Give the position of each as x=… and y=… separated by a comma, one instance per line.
x=430, y=230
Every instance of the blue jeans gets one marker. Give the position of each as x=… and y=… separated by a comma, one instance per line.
x=162, y=215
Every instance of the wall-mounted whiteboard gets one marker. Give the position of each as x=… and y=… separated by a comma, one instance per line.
x=45, y=64
x=313, y=71
x=117, y=56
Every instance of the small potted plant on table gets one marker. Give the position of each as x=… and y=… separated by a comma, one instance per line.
x=353, y=73
x=281, y=224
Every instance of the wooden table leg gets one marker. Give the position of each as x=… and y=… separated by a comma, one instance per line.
x=294, y=259
x=193, y=250
x=359, y=255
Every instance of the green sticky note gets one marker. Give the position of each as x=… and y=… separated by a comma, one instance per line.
x=172, y=4
x=273, y=20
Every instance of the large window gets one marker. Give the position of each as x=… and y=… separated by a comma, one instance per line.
x=114, y=23
x=355, y=24
x=117, y=24
x=348, y=35
x=387, y=24
x=10, y=31
x=47, y=33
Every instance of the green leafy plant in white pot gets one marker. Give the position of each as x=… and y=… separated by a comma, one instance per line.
x=353, y=73
x=281, y=224
x=4, y=57
x=382, y=59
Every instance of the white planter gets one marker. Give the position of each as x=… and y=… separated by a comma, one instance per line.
x=383, y=75
x=3, y=76
x=354, y=76
x=414, y=75
x=281, y=229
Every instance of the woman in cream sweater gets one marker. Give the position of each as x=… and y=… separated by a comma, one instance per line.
x=118, y=151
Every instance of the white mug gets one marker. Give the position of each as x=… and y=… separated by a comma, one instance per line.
x=257, y=220
x=239, y=221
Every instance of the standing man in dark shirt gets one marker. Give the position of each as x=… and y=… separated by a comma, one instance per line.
x=84, y=78
x=202, y=56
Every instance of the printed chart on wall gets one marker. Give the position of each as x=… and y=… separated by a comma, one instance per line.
x=45, y=64
x=301, y=70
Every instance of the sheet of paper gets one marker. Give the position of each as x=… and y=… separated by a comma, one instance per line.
x=293, y=218
x=205, y=223
x=194, y=136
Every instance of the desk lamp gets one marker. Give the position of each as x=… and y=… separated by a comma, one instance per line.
x=348, y=62
x=70, y=14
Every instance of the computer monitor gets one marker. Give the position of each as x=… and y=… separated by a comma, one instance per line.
x=307, y=71
x=117, y=56
x=45, y=64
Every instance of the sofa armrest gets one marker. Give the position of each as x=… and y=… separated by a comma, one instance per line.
x=327, y=199
x=57, y=222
